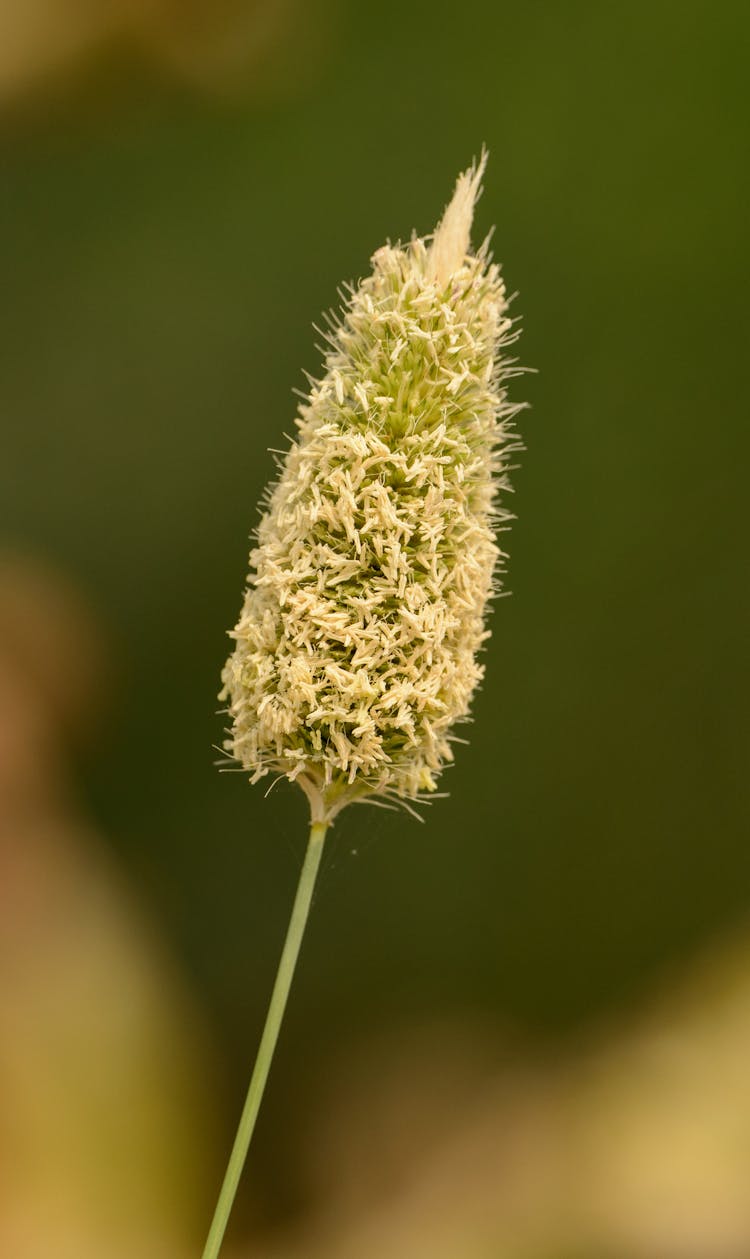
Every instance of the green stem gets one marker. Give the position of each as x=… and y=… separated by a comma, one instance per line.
x=281, y=987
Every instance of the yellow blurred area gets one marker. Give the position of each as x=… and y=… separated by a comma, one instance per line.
x=219, y=46
x=633, y=1143
x=103, y=1059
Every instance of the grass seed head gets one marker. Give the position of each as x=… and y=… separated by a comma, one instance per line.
x=356, y=651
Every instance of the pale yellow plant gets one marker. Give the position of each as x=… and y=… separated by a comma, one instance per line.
x=356, y=650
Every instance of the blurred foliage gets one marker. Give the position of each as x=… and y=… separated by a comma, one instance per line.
x=104, y=1067
x=167, y=247
x=633, y=1145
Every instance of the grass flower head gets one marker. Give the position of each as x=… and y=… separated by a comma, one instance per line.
x=356, y=651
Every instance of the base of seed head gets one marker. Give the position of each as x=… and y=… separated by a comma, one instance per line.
x=356, y=649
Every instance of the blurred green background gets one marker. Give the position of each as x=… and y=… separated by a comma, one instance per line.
x=172, y=225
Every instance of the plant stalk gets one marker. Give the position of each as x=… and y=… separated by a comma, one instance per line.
x=281, y=987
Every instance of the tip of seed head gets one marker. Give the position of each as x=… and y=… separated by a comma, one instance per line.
x=450, y=243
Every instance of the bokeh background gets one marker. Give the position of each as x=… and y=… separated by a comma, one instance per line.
x=183, y=188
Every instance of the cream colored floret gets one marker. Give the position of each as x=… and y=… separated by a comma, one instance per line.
x=356, y=649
